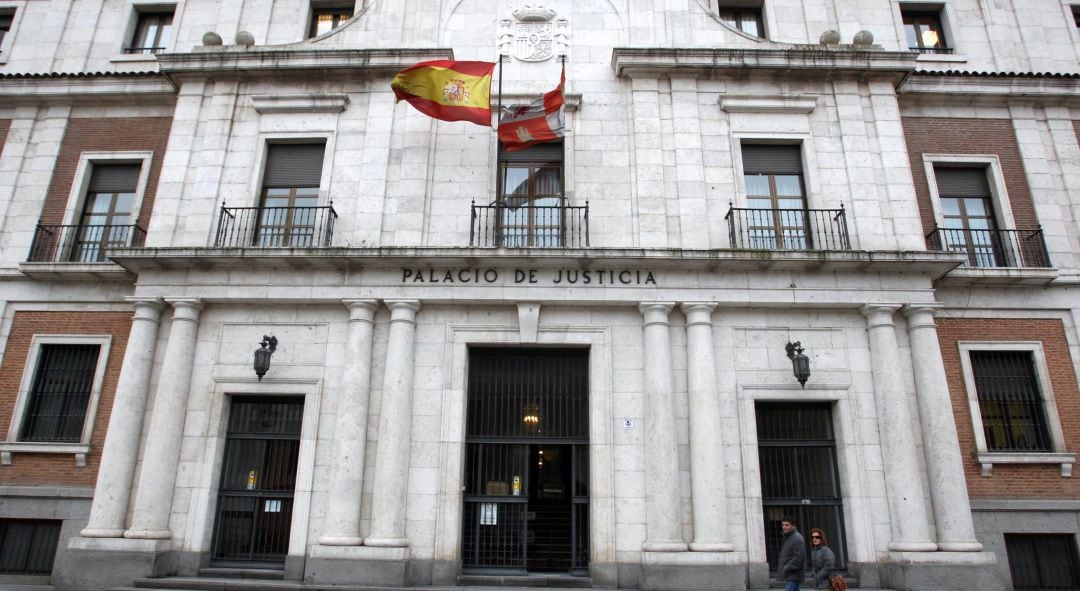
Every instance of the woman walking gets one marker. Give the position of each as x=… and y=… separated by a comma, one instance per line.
x=822, y=559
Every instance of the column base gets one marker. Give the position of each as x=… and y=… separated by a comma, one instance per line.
x=387, y=542
x=692, y=571
x=102, y=533
x=145, y=534
x=667, y=546
x=956, y=571
x=711, y=547
x=959, y=547
x=341, y=541
x=913, y=547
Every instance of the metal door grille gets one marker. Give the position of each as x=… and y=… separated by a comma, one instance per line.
x=799, y=475
x=258, y=476
x=525, y=406
x=61, y=391
x=28, y=546
x=1043, y=561
x=1010, y=401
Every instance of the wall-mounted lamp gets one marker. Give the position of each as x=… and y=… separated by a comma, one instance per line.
x=800, y=363
x=262, y=355
x=530, y=416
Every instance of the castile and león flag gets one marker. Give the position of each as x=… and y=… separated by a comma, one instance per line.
x=461, y=91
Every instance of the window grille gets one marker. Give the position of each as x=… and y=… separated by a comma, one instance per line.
x=60, y=393
x=28, y=546
x=1043, y=561
x=1010, y=401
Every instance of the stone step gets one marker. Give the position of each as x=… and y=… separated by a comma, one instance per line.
x=242, y=573
x=528, y=581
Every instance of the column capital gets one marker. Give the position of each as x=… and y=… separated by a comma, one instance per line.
x=361, y=310
x=879, y=314
x=146, y=308
x=403, y=310
x=656, y=312
x=185, y=308
x=698, y=312
x=920, y=315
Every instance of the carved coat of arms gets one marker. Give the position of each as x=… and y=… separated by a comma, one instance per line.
x=534, y=33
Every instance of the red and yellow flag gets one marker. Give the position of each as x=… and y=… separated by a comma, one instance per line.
x=448, y=90
x=524, y=126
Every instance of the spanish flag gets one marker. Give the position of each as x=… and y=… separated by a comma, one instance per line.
x=524, y=126
x=448, y=90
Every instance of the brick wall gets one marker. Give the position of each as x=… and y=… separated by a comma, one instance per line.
x=1014, y=480
x=934, y=135
x=5, y=125
x=106, y=135
x=59, y=469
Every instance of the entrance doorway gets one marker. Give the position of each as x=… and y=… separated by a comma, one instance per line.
x=258, y=477
x=799, y=475
x=527, y=461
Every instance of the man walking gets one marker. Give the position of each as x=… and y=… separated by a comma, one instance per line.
x=792, y=555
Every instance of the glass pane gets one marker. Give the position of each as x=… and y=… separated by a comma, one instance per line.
x=788, y=185
x=757, y=184
x=758, y=204
x=124, y=202
x=797, y=204
x=547, y=181
x=324, y=23
x=950, y=206
x=749, y=25
x=98, y=202
x=912, y=36
x=975, y=206
x=515, y=181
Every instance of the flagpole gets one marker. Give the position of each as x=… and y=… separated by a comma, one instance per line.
x=498, y=114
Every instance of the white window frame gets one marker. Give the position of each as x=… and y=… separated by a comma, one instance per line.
x=944, y=17
x=135, y=9
x=984, y=455
x=22, y=401
x=81, y=183
x=999, y=195
x=767, y=25
x=18, y=9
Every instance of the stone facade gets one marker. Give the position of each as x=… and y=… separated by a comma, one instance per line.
x=683, y=310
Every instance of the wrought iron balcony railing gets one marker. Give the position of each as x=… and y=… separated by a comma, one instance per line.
x=993, y=248
x=275, y=227
x=509, y=224
x=81, y=244
x=788, y=229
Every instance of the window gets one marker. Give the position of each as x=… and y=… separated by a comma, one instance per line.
x=58, y=395
x=1012, y=406
x=747, y=20
x=288, y=211
x=106, y=217
x=923, y=28
x=1076, y=15
x=7, y=17
x=967, y=212
x=61, y=390
x=28, y=546
x=1043, y=561
x=775, y=199
x=326, y=18
x=152, y=31
x=1009, y=401
x=530, y=206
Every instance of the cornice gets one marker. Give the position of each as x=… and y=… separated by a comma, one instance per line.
x=1019, y=85
x=256, y=60
x=811, y=60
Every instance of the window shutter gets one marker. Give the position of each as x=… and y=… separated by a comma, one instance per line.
x=114, y=178
x=962, y=182
x=547, y=152
x=769, y=159
x=293, y=165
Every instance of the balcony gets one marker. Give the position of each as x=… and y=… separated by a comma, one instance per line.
x=993, y=249
x=788, y=229
x=81, y=244
x=275, y=227
x=516, y=224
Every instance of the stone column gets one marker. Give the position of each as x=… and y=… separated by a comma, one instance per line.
x=350, y=434
x=944, y=465
x=161, y=456
x=662, y=528
x=707, y=488
x=395, y=429
x=903, y=480
x=121, y=450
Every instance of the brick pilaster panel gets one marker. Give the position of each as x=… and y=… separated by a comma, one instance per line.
x=59, y=469
x=1014, y=481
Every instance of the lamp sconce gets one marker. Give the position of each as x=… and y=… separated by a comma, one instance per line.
x=800, y=364
x=262, y=355
x=530, y=417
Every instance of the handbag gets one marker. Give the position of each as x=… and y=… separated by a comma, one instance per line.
x=837, y=583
